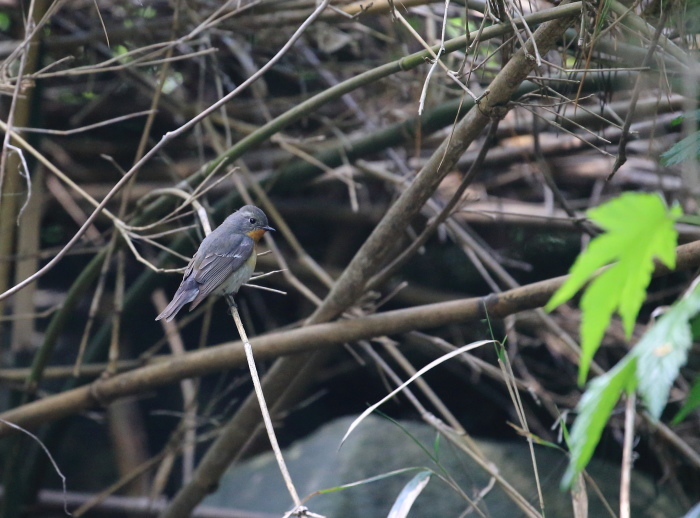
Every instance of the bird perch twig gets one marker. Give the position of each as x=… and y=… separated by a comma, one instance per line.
x=261, y=400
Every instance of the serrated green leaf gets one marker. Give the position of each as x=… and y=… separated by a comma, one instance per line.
x=594, y=409
x=597, y=307
x=685, y=149
x=663, y=350
x=650, y=368
x=690, y=404
x=599, y=253
x=638, y=227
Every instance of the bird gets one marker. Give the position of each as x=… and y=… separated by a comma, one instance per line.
x=224, y=261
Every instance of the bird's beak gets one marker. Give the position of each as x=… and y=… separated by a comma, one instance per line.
x=269, y=229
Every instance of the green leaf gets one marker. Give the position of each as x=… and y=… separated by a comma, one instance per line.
x=679, y=120
x=4, y=21
x=602, y=18
x=686, y=149
x=147, y=12
x=650, y=368
x=690, y=404
x=594, y=409
x=695, y=327
x=455, y=27
x=664, y=350
x=597, y=306
x=638, y=227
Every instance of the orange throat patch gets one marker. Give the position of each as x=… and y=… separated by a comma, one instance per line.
x=256, y=234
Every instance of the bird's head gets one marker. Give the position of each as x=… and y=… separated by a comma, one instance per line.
x=251, y=221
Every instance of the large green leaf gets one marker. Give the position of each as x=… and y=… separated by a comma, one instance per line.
x=664, y=350
x=594, y=410
x=638, y=228
x=650, y=367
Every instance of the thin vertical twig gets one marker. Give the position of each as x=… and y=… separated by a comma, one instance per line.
x=509, y=379
x=424, y=93
x=627, y=459
x=13, y=103
x=188, y=387
x=261, y=400
x=622, y=147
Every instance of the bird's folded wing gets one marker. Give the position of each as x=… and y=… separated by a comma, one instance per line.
x=215, y=268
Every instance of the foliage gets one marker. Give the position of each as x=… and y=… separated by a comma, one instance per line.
x=650, y=368
x=206, y=85
x=594, y=409
x=683, y=150
x=4, y=21
x=638, y=227
x=690, y=404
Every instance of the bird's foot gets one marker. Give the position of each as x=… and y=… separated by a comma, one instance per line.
x=231, y=303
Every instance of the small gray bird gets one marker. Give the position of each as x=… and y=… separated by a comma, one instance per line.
x=224, y=261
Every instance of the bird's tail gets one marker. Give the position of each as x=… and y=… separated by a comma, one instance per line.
x=185, y=293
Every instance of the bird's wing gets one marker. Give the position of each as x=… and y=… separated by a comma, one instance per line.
x=214, y=268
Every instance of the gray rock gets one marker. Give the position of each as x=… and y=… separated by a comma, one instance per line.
x=378, y=446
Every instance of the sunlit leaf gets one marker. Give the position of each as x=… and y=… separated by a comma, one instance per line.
x=594, y=410
x=679, y=120
x=638, y=228
x=650, y=367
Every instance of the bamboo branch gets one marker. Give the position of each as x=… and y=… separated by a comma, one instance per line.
x=232, y=355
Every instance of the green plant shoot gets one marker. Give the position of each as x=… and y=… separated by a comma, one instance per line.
x=638, y=227
x=649, y=368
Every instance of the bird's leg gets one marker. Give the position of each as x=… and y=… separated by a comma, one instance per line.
x=231, y=303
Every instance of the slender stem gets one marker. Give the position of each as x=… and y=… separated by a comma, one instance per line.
x=261, y=400
x=622, y=147
x=627, y=444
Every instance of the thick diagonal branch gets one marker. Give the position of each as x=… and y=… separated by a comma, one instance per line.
x=375, y=252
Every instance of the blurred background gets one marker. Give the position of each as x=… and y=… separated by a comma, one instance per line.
x=325, y=139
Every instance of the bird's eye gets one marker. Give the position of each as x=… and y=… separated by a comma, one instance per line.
x=252, y=221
